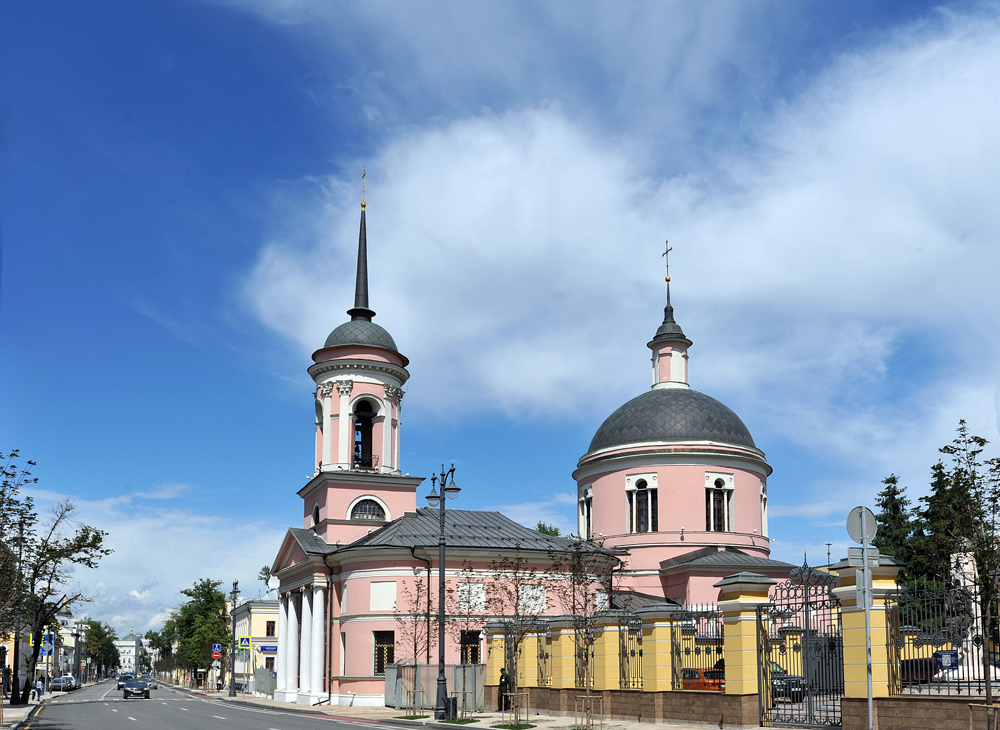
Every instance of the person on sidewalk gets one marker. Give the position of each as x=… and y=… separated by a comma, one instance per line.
x=503, y=701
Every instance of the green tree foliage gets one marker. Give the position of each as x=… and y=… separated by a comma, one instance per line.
x=264, y=575
x=101, y=647
x=16, y=514
x=948, y=515
x=895, y=520
x=547, y=529
x=197, y=624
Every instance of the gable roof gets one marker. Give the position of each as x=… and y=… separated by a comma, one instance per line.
x=727, y=559
x=472, y=529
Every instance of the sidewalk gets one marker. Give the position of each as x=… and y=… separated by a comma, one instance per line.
x=14, y=716
x=391, y=715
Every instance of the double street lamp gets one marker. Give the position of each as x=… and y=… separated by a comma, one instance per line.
x=233, y=595
x=448, y=491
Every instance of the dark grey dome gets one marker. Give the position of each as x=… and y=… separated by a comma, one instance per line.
x=361, y=332
x=671, y=414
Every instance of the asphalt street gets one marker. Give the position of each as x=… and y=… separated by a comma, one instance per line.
x=101, y=707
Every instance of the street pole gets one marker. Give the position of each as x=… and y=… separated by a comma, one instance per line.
x=232, y=650
x=448, y=491
x=867, y=573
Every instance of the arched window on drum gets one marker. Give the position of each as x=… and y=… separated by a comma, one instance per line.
x=368, y=509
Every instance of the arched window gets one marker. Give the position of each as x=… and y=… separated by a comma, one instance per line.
x=363, y=421
x=368, y=509
x=643, y=507
x=719, y=505
x=315, y=515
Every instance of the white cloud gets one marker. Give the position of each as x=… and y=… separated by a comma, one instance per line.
x=163, y=549
x=838, y=279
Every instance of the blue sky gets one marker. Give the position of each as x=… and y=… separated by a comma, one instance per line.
x=180, y=188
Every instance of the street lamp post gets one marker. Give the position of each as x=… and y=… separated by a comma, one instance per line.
x=232, y=649
x=448, y=491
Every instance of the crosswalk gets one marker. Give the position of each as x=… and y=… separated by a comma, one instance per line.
x=119, y=699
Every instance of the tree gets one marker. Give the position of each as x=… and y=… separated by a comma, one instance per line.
x=895, y=520
x=15, y=515
x=413, y=619
x=101, y=649
x=199, y=623
x=585, y=587
x=547, y=529
x=947, y=516
x=48, y=556
x=980, y=480
x=466, y=605
x=516, y=595
x=265, y=575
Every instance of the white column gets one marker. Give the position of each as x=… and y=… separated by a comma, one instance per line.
x=282, y=660
x=344, y=387
x=324, y=398
x=318, y=637
x=305, y=655
x=399, y=427
x=387, y=429
x=292, y=644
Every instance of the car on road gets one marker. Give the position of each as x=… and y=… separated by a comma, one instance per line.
x=153, y=684
x=61, y=684
x=786, y=685
x=710, y=679
x=123, y=679
x=135, y=688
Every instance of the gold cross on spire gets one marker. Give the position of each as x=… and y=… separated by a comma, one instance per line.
x=666, y=258
x=364, y=171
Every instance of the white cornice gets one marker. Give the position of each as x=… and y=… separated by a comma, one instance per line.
x=398, y=374
x=663, y=453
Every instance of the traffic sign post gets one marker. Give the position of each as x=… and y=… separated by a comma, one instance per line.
x=245, y=642
x=216, y=647
x=216, y=655
x=862, y=527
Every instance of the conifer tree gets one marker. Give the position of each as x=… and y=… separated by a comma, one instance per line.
x=895, y=520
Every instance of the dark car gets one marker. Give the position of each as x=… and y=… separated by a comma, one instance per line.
x=61, y=684
x=136, y=688
x=786, y=685
x=123, y=678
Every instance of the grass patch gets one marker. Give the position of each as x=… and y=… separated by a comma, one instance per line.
x=466, y=721
x=520, y=726
x=411, y=717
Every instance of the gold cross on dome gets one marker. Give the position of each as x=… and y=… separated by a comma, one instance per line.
x=666, y=257
x=364, y=171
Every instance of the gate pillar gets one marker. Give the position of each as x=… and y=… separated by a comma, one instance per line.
x=657, y=654
x=853, y=617
x=740, y=595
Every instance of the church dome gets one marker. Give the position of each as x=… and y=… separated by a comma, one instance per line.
x=362, y=332
x=671, y=414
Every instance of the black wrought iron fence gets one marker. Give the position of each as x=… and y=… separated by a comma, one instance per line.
x=630, y=652
x=696, y=635
x=936, y=640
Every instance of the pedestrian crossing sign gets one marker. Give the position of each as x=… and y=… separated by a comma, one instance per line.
x=244, y=642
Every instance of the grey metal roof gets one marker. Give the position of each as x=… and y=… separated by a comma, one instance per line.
x=671, y=414
x=728, y=558
x=744, y=577
x=630, y=600
x=464, y=529
x=310, y=542
x=361, y=332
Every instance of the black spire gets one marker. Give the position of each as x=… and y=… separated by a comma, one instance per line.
x=360, y=309
x=669, y=331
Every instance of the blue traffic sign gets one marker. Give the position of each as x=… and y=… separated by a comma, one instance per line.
x=216, y=647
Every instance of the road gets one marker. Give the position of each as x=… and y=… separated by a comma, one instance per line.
x=101, y=707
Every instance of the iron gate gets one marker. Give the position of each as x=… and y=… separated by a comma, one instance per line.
x=630, y=652
x=800, y=653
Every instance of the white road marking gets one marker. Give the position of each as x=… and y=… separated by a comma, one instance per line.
x=185, y=709
x=163, y=703
x=218, y=717
x=114, y=710
x=133, y=719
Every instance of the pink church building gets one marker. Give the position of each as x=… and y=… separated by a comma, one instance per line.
x=672, y=482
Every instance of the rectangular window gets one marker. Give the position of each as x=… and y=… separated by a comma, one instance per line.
x=588, y=507
x=631, y=512
x=383, y=596
x=269, y=663
x=718, y=510
x=643, y=506
x=642, y=511
x=533, y=598
x=343, y=653
x=269, y=630
x=654, y=509
x=471, y=597
x=385, y=651
x=470, y=647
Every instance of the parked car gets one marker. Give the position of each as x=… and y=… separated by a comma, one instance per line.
x=786, y=685
x=135, y=688
x=60, y=684
x=710, y=679
x=71, y=680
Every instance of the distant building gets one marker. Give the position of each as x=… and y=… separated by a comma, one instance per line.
x=258, y=620
x=130, y=652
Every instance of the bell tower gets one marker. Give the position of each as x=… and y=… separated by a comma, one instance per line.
x=359, y=375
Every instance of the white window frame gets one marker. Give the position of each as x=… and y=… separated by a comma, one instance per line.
x=729, y=490
x=630, y=501
x=763, y=508
x=586, y=513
